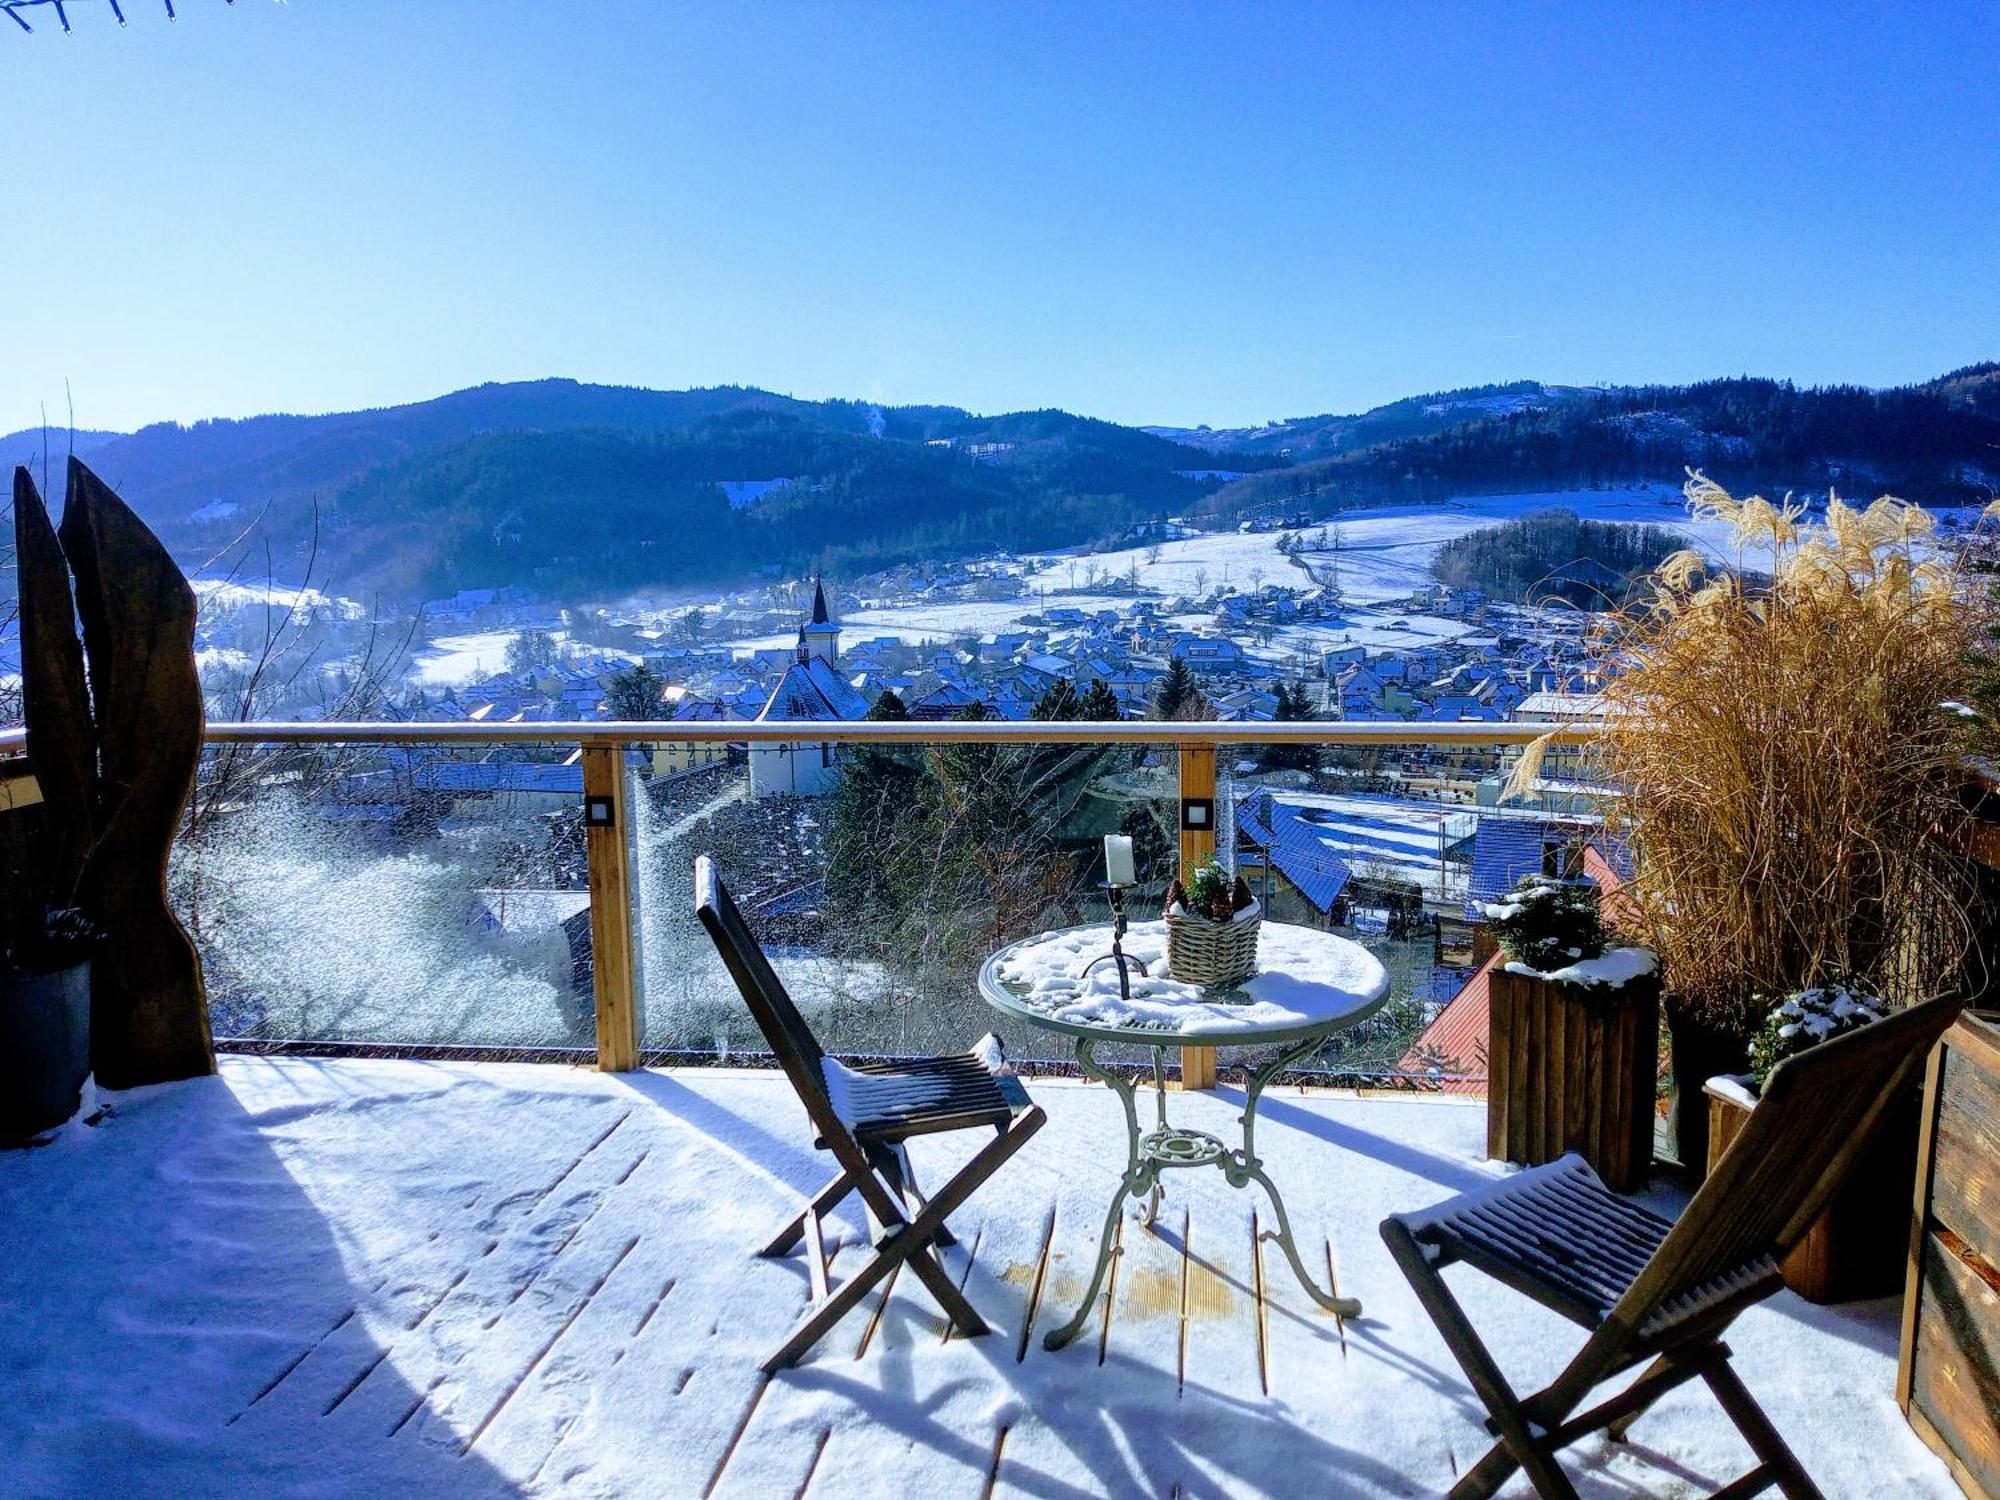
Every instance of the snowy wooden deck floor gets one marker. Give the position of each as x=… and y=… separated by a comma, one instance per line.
x=383, y=1278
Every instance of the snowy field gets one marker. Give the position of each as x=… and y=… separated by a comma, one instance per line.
x=1382, y=554
x=453, y=659
x=382, y=1278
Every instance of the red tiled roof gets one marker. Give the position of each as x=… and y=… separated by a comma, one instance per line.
x=1458, y=1033
x=1618, y=907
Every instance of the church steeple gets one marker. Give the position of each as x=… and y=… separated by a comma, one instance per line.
x=820, y=635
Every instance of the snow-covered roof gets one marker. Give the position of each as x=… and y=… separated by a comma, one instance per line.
x=813, y=690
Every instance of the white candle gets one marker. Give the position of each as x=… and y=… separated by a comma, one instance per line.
x=1118, y=868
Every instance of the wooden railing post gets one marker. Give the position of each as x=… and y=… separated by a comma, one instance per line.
x=1197, y=819
x=607, y=843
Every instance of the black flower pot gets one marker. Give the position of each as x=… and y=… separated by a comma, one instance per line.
x=1699, y=1052
x=44, y=1048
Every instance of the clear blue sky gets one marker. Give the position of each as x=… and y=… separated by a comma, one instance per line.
x=1219, y=213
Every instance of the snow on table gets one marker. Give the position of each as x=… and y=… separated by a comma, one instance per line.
x=312, y=1277
x=1305, y=979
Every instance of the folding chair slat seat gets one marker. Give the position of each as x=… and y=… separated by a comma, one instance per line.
x=1648, y=1288
x=895, y=1101
x=862, y=1115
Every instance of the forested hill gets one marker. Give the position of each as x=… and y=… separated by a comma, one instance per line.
x=1938, y=442
x=587, y=488
x=574, y=513
x=583, y=490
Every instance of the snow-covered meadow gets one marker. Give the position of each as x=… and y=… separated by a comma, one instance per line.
x=1377, y=555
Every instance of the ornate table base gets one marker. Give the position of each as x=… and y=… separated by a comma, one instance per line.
x=1166, y=1146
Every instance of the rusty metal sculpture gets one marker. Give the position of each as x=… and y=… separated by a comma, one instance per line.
x=114, y=750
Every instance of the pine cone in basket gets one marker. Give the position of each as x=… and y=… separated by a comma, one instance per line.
x=1210, y=894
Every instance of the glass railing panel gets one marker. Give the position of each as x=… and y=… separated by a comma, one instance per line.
x=440, y=896
x=390, y=895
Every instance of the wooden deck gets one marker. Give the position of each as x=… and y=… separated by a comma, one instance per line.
x=523, y=1280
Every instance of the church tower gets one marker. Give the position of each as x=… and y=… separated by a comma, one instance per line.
x=821, y=634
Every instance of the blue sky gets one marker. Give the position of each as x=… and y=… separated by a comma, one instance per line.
x=1219, y=213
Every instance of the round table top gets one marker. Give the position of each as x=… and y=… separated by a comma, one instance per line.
x=1307, y=983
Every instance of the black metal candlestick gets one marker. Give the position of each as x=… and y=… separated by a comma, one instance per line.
x=1116, y=895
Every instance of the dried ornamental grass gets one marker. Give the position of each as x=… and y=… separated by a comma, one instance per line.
x=1784, y=763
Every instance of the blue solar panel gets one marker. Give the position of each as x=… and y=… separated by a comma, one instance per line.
x=1503, y=850
x=1296, y=850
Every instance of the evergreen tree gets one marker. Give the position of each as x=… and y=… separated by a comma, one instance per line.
x=1058, y=703
x=1294, y=707
x=1175, y=692
x=1100, y=703
x=888, y=708
x=636, y=694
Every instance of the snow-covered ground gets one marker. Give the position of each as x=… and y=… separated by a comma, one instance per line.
x=1385, y=553
x=452, y=659
x=228, y=595
x=1377, y=555
x=382, y=1278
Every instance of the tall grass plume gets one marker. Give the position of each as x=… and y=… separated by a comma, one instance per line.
x=1788, y=768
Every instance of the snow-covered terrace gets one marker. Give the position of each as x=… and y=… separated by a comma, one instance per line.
x=350, y=1277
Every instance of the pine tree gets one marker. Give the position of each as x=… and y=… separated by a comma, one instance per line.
x=1176, y=689
x=1294, y=707
x=1057, y=703
x=888, y=708
x=1100, y=704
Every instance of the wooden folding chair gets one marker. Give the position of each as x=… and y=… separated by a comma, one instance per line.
x=1649, y=1290
x=863, y=1115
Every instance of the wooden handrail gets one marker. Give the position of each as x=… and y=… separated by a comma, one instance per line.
x=903, y=732
x=900, y=732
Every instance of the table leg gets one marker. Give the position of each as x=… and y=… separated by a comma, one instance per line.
x=1243, y=1167
x=1142, y=1177
x=1149, y=1211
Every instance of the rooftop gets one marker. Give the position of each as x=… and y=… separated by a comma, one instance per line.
x=482, y=1279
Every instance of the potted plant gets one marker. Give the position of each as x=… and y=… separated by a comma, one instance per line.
x=44, y=1023
x=1784, y=772
x=1859, y=1246
x=1573, y=1046
x=1212, y=925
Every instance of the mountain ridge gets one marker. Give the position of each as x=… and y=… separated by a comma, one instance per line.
x=583, y=487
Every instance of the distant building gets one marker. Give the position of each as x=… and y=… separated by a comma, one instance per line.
x=811, y=690
x=674, y=757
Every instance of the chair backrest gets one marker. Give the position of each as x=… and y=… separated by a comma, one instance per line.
x=1815, y=1118
x=798, y=1050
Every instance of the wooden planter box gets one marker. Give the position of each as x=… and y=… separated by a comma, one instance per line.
x=1948, y=1379
x=1859, y=1246
x=1571, y=1068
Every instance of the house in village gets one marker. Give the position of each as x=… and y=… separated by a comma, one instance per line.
x=676, y=757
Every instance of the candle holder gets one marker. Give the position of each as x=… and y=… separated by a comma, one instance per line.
x=1116, y=895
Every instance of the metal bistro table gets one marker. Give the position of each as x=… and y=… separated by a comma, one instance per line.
x=1309, y=985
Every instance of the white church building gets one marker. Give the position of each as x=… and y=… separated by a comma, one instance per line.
x=812, y=690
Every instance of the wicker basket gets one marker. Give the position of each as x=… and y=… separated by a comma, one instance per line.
x=1201, y=950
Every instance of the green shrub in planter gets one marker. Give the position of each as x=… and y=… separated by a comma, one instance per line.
x=1806, y=1018
x=1549, y=924
x=60, y=940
